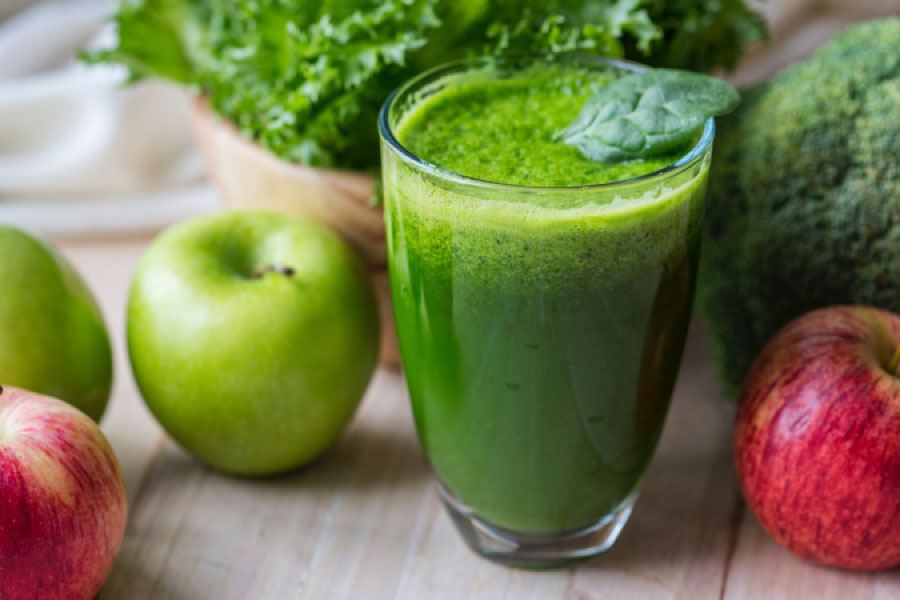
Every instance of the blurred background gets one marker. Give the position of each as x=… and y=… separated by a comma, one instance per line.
x=81, y=154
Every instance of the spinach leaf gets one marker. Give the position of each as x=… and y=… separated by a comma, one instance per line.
x=647, y=114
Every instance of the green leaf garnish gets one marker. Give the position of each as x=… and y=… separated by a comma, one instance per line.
x=647, y=114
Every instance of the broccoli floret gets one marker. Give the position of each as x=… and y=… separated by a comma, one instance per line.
x=804, y=197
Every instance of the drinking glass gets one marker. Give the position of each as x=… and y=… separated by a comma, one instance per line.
x=541, y=330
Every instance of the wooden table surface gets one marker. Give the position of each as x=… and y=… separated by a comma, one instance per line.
x=365, y=523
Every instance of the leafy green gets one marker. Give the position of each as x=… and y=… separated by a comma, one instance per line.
x=153, y=42
x=647, y=114
x=306, y=78
x=700, y=35
x=804, y=196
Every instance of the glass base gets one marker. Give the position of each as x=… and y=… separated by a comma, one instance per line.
x=536, y=551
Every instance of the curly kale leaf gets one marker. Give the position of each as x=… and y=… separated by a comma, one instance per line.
x=306, y=78
x=309, y=91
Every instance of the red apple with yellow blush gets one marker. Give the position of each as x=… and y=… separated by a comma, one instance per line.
x=62, y=500
x=817, y=439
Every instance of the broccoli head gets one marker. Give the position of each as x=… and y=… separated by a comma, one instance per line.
x=804, y=197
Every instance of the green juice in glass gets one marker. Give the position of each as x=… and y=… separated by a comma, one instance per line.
x=541, y=300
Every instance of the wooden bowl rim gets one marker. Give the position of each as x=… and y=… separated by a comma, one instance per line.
x=336, y=177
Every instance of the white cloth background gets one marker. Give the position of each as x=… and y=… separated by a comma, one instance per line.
x=78, y=151
x=80, y=154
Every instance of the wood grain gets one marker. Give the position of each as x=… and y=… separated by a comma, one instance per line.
x=329, y=530
x=364, y=521
x=762, y=569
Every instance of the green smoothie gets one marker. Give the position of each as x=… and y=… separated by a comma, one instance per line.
x=541, y=327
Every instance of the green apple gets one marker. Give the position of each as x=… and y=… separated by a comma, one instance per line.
x=52, y=337
x=253, y=336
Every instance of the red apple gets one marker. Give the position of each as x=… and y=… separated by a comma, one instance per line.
x=62, y=500
x=817, y=439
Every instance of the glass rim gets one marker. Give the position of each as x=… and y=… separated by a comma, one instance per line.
x=387, y=134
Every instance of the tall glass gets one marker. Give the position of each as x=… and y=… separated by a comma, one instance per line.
x=541, y=331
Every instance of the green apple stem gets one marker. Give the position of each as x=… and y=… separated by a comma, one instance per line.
x=261, y=270
x=895, y=362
